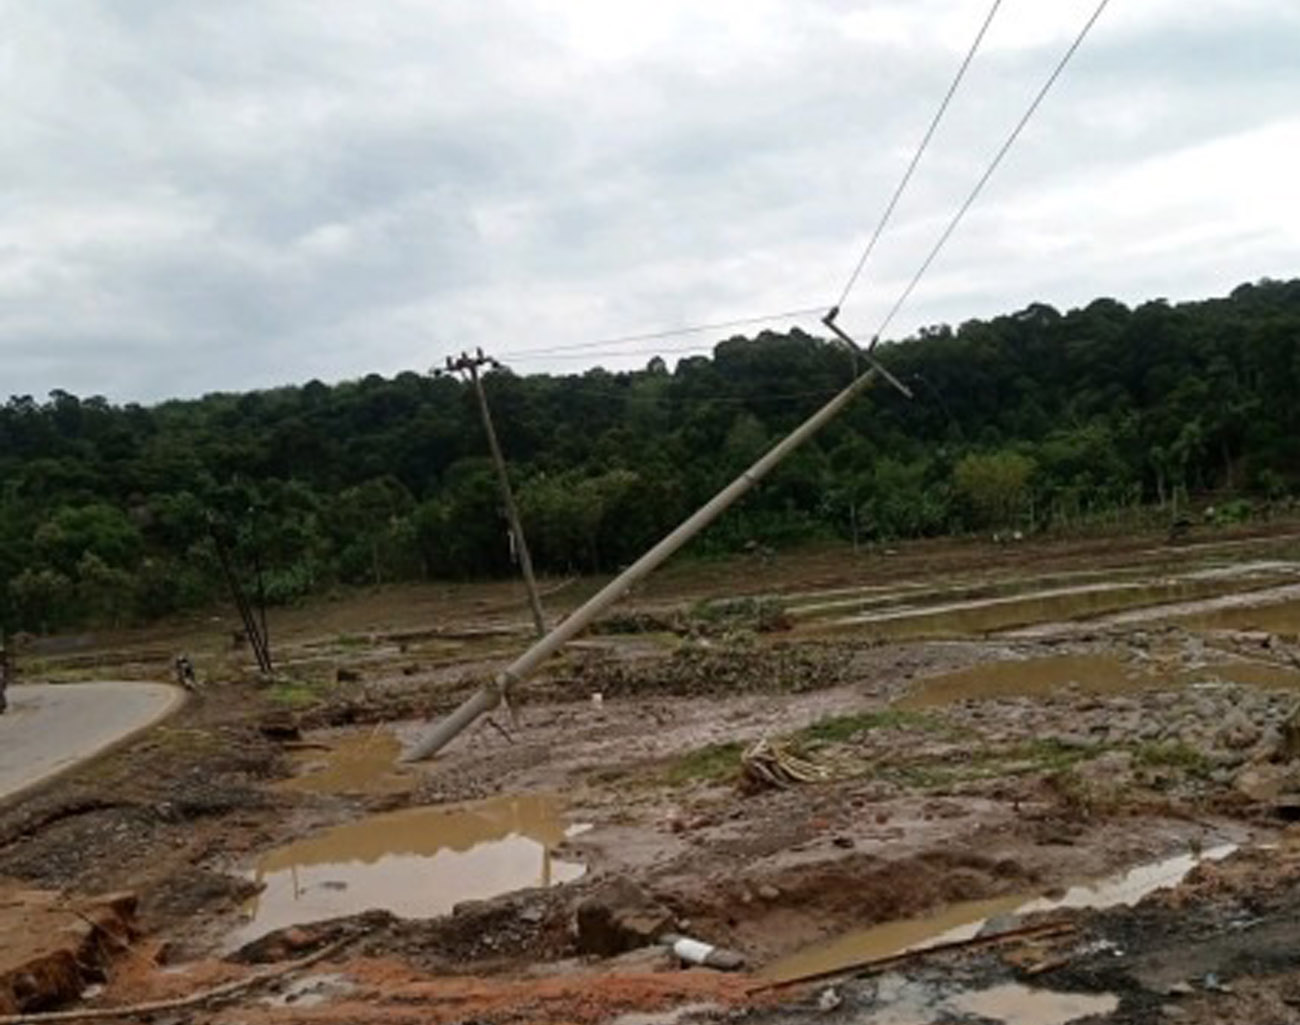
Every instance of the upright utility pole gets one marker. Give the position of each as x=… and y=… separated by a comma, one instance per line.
x=469, y=366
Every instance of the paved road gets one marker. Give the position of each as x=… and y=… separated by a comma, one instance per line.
x=52, y=727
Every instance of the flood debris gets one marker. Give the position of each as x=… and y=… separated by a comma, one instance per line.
x=768, y=763
x=697, y=952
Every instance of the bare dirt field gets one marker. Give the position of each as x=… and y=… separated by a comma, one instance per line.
x=959, y=782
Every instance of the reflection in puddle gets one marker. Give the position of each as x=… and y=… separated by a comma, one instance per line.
x=1020, y=1005
x=418, y=862
x=365, y=763
x=954, y=922
x=1091, y=674
x=964, y=921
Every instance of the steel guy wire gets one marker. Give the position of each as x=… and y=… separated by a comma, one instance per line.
x=650, y=336
x=920, y=151
x=988, y=173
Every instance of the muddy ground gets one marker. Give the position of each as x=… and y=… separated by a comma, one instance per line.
x=980, y=727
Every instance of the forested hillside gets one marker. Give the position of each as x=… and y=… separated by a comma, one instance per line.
x=1025, y=420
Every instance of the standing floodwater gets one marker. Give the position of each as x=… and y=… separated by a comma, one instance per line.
x=418, y=862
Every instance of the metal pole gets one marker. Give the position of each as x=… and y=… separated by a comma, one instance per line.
x=508, y=497
x=491, y=694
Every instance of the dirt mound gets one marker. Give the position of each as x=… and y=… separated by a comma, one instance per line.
x=707, y=668
x=770, y=913
x=52, y=947
x=388, y=992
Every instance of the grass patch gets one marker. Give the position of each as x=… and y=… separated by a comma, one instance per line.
x=839, y=728
x=1046, y=756
x=707, y=764
x=1173, y=755
x=1051, y=754
x=351, y=641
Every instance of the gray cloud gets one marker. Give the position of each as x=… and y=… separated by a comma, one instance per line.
x=206, y=196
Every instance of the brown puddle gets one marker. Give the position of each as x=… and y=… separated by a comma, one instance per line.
x=965, y=920
x=1280, y=618
x=361, y=764
x=1265, y=675
x=1014, y=1004
x=1032, y=677
x=991, y=615
x=1090, y=674
x=417, y=863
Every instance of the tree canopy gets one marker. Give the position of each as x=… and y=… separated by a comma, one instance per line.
x=106, y=511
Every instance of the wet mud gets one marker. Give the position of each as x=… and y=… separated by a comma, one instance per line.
x=991, y=736
x=968, y=919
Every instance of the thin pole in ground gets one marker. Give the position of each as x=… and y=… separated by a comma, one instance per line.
x=470, y=366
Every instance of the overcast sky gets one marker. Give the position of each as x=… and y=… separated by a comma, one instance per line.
x=200, y=196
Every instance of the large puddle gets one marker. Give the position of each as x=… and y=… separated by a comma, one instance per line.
x=417, y=863
x=966, y=920
x=981, y=616
x=364, y=763
x=1089, y=674
x=1281, y=618
x=917, y=594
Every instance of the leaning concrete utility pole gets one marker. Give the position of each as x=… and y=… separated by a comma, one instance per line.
x=469, y=365
x=493, y=693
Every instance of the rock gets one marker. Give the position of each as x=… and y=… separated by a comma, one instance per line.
x=1107, y=768
x=769, y=892
x=280, y=726
x=620, y=916
x=531, y=914
x=1270, y=743
x=1265, y=782
x=1237, y=731
x=829, y=999
x=1290, y=746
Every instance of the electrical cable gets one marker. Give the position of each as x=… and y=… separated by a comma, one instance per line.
x=997, y=160
x=920, y=151
x=650, y=336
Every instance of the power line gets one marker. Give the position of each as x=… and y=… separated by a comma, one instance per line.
x=920, y=150
x=702, y=348
x=650, y=336
x=705, y=397
x=997, y=160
